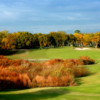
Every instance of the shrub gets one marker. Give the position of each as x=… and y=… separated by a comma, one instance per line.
x=74, y=61
x=86, y=60
x=12, y=80
x=5, y=62
x=55, y=72
x=79, y=71
x=53, y=61
x=41, y=81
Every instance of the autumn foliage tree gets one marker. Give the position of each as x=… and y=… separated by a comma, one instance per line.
x=26, y=40
x=87, y=39
x=8, y=42
x=79, y=39
x=96, y=39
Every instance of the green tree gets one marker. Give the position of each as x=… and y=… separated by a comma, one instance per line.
x=61, y=37
x=42, y=40
x=71, y=40
x=8, y=42
x=53, y=39
x=3, y=34
x=35, y=40
x=77, y=31
x=24, y=40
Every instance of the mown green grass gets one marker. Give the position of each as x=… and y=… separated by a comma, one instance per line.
x=88, y=89
x=62, y=52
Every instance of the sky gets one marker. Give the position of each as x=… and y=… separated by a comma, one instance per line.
x=44, y=16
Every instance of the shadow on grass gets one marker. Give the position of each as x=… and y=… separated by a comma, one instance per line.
x=11, y=52
x=19, y=51
x=37, y=95
x=78, y=81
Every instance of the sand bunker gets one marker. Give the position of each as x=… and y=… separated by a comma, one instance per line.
x=82, y=48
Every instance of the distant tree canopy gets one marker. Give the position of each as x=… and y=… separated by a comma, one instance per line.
x=26, y=40
x=77, y=31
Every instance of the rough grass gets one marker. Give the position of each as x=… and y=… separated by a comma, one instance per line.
x=89, y=89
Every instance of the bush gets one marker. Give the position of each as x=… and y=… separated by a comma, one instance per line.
x=80, y=71
x=5, y=62
x=86, y=60
x=55, y=72
x=41, y=81
x=74, y=61
x=12, y=80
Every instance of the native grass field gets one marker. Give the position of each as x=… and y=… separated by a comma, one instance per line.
x=87, y=89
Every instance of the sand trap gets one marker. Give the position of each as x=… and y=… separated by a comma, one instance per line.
x=82, y=48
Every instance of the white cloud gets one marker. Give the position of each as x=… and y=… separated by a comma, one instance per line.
x=14, y=12
x=49, y=14
x=7, y=13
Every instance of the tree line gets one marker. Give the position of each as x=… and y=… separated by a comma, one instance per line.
x=27, y=40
